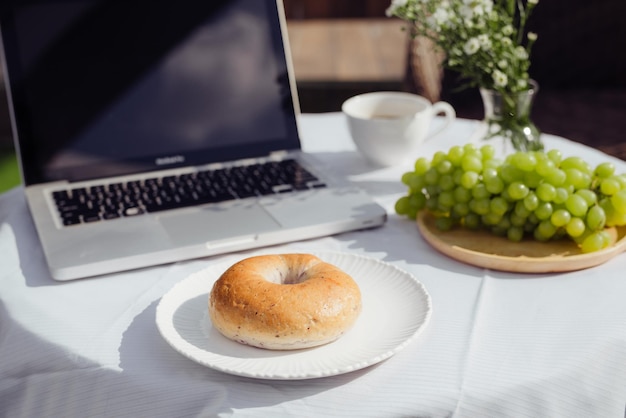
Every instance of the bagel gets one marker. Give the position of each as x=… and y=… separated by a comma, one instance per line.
x=284, y=302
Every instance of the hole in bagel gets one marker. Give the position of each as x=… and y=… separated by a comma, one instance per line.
x=287, y=275
x=294, y=277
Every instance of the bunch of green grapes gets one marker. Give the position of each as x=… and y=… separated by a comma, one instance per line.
x=535, y=193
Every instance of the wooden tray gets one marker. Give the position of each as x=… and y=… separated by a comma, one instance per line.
x=483, y=249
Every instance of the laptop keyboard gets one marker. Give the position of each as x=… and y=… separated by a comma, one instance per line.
x=116, y=200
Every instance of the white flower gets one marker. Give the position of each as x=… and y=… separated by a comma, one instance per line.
x=533, y=2
x=471, y=46
x=522, y=84
x=507, y=30
x=499, y=78
x=485, y=42
x=521, y=53
x=441, y=15
x=532, y=36
x=503, y=64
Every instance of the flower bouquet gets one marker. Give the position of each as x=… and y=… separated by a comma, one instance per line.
x=485, y=41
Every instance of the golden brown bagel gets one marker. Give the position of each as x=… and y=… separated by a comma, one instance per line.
x=284, y=302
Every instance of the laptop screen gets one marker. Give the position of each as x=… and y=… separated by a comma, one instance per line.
x=102, y=88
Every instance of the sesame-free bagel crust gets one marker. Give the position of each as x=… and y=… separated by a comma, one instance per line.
x=284, y=302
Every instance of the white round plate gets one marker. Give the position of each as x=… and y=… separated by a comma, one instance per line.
x=396, y=308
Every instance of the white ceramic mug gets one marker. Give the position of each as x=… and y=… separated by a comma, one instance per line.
x=388, y=127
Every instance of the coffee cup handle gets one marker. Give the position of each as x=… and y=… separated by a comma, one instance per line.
x=448, y=111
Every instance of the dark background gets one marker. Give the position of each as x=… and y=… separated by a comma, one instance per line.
x=579, y=61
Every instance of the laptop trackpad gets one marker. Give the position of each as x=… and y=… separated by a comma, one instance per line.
x=218, y=223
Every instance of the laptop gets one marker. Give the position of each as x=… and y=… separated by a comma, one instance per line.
x=155, y=131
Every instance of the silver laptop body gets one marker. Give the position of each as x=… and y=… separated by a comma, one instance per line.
x=109, y=93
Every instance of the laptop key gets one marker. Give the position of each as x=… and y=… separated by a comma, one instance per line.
x=90, y=216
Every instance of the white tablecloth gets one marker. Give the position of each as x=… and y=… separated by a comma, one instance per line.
x=498, y=344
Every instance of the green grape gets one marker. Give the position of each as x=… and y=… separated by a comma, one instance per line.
x=613, y=217
x=618, y=200
x=488, y=152
x=621, y=179
x=491, y=219
x=521, y=210
x=489, y=173
x=469, y=179
x=594, y=242
x=437, y=158
x=494, y=185
x=544, y=211
x=406, y=177
x=531, y=201
x=445, y=167
x=517, y=220
x=446, y=200
x=556, y=177
x=577, y=178
x=575, y=162
x=561, y=195
x=596, y=218
x=462, y=195
x=510, y=173
x=471, y=163
x=505, y=195
x=515, y=233
x=544, y=166
x=546, y=229
x=455, y=155
x=446, y=182
x=532, y=179
x=585, y=183
x=617, y=219
x=604, y=170
x=531, y=222
x=560, y=217
x=417, y=201
x=575, y=227
x=431, y=176
x=525, y=161
x=498, y=205
x=421, y=166
x=609, y=186
x=589, y=195
x=576, y=205
x=518, y=190
x=480, y=191
x=456, y=175
x=546, y=192
x=417, y=183
x=402, y=205
x=479, y=206
x=555, y=156
x=460, y=209
x=432, y=190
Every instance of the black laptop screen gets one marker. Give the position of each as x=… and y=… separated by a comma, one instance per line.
x=102, y=88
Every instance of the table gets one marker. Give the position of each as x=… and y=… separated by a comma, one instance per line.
x=498, y=344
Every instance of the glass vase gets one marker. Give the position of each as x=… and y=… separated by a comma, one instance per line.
x=507, y=123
